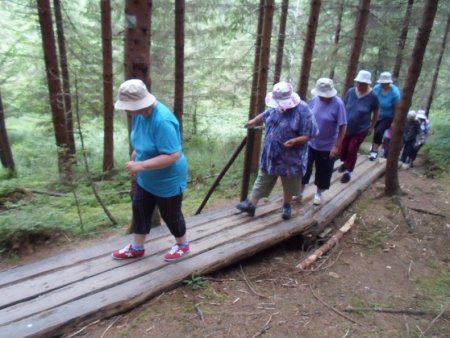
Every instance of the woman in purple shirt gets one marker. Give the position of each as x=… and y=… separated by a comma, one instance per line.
x=289, y=125
x=329, y=112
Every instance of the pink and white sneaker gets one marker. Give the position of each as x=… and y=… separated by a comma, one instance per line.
x=177, y=252
x=127, y=252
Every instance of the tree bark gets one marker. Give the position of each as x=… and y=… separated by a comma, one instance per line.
x=252, y=108
x=392, y=186
x=108, y=108
x=337, y=36
x=402, y=40
x=358, y=39
x=280, y=44
x=438, y=67
x=269, y=7
x=67, y=97
x=137, y=42
x=179, y=61
x=6, y=156
x=54, y=85
x=308, y=49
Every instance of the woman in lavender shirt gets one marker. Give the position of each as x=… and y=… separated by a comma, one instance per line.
x=324, y=149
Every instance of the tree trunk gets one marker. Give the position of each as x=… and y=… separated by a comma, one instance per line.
x=280, y=44
x=252, y=109
x=179, y=62
x=5, y=148
x=138, y=16
x=308, y=49
x=337, y=36
x=438, y=67
x=54, y=85
x=358, y=39
x=65, y=76
x=137, y=42
x=402, y=40
x=108, y=108
x=423, y=34
x=263, y=75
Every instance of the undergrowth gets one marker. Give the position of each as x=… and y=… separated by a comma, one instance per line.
x=36, y=204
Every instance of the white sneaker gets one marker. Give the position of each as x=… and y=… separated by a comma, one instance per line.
x=373, y=155
x=317, y=198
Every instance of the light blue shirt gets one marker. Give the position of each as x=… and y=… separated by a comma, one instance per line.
x=155, y=135
x=387, y=100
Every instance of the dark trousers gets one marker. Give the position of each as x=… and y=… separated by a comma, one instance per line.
x=380, y=127
x=408, y=149
x=350, y=147
x=323, y=168
x=170, y=209
x=414, y=152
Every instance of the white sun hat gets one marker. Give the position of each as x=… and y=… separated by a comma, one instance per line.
x=421, y=114
x=282, y=96
x=133, y=95
x=364, y=77
x=324, y=88
x=385, y=77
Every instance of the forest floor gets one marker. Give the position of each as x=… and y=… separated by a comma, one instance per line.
x=397, y=275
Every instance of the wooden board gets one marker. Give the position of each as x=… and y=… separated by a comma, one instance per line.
x=52, y=296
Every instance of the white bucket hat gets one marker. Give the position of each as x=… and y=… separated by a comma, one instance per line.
x=411, y=115
x=364, y=77
x=385, y=77
x=324, y=88
x=421, y=114
x=133, y=95
x=282, y=96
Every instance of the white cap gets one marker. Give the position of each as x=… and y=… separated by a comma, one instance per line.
x=133, y=95
x=364, y=76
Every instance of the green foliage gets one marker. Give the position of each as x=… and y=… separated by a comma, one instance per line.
x=195, y=282
x=36, y=204
x=437, y=146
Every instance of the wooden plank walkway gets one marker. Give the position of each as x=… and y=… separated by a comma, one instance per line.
x=51, y=297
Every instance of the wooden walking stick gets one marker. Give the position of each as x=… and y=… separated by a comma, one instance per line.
x=328, y=245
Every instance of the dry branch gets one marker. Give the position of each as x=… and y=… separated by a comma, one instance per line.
x=332, y=308
x=428, y=212
x=411, y=223
x=328, y=245
x=249, y=285
x=411, y=312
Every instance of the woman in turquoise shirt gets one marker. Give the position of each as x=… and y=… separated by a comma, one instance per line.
x=158, y=167
x=389, y=96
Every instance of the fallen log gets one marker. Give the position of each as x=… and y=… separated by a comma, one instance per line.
x=328, y=245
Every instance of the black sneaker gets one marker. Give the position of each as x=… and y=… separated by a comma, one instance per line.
x=345, y=178
x=341, y=168
x=247, y=207
x=286, y=213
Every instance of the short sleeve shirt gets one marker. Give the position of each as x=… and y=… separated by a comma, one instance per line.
x=155, y=135
x=359, y=111
x=329, y=117
x=276, y=159
x=387, y=101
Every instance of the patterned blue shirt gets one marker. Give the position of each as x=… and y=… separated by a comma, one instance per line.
x=276, y=159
